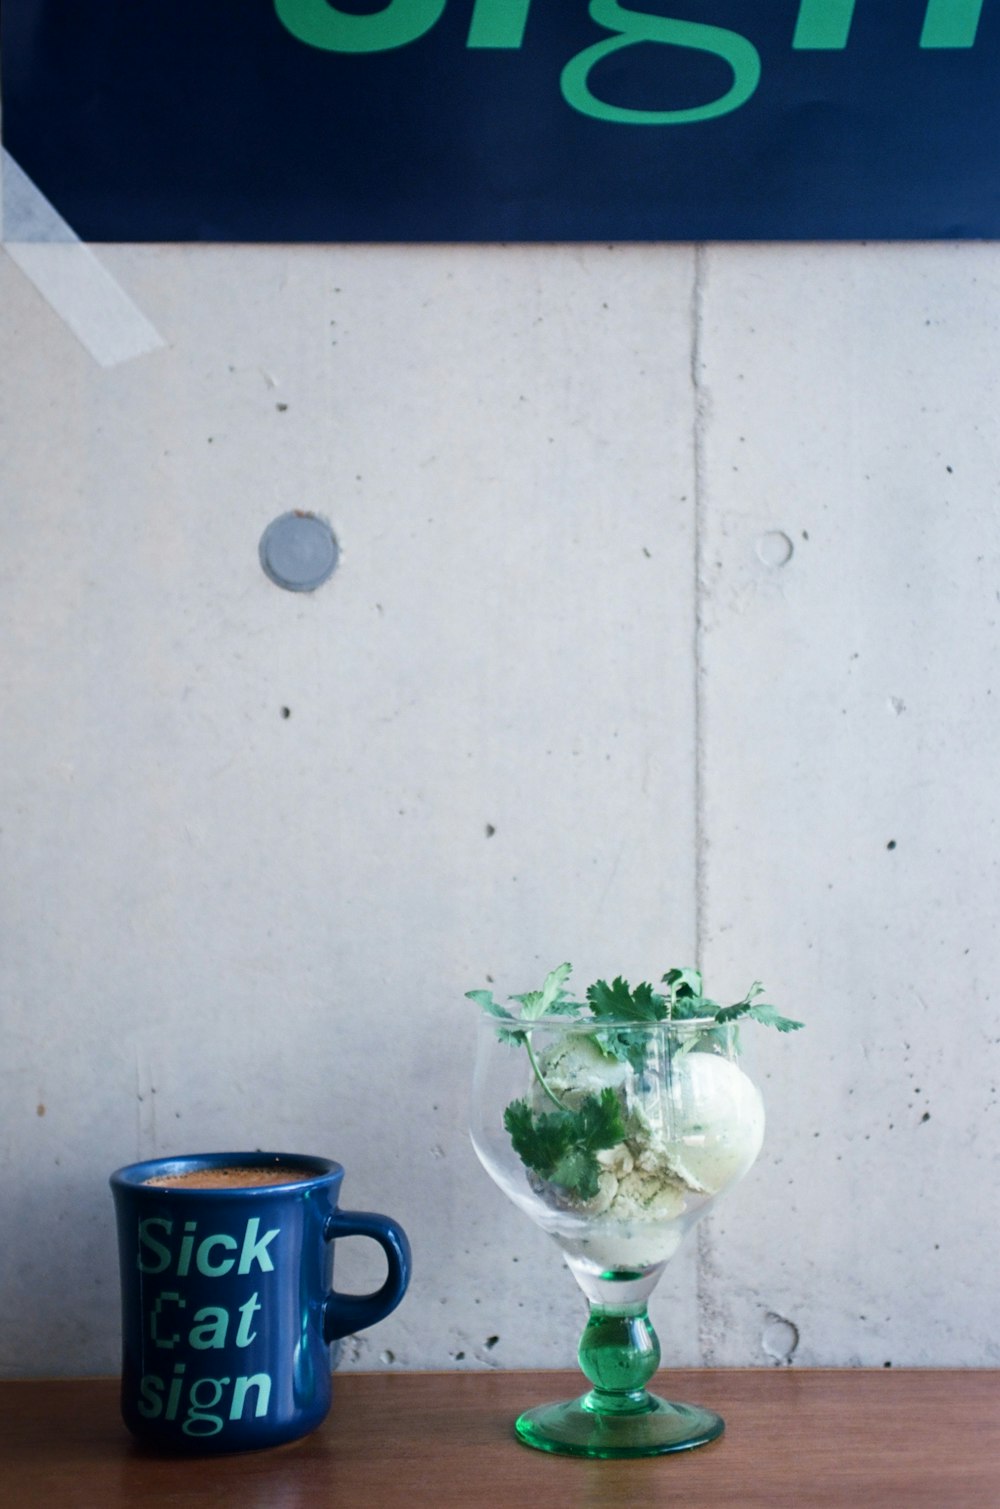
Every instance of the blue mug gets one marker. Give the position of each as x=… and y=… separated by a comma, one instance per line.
x=228, y=1309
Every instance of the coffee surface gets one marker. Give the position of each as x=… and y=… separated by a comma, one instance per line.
x=234, y=1176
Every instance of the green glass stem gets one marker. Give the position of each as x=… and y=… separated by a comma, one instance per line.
x=619, y=1353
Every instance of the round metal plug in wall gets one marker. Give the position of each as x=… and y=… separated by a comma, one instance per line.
x=299, y=551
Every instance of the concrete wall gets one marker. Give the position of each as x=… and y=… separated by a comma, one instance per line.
x=665, y=628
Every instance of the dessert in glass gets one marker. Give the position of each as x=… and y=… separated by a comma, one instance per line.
x=615, y=1124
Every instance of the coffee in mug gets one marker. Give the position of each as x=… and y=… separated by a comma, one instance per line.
x=228, y=1305
x=229, y=1177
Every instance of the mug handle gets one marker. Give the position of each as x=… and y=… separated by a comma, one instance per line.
x=344, y=1314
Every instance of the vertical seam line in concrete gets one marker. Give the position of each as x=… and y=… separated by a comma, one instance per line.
x=698, y=443
x=703, y=1264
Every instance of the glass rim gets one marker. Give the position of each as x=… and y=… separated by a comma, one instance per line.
x=602, y=1024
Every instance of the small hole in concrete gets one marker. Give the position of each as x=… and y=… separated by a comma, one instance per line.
x=775, y=548
x=780, y=1338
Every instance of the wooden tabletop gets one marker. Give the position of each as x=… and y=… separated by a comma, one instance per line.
x=888, y=1439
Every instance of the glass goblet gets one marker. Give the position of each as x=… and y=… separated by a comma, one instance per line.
x=615, y=1138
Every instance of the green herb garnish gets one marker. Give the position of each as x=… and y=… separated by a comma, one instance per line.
x=684, y=1000
x=561, y=1145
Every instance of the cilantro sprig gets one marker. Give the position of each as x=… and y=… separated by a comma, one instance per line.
x=534, y=1004
x=683, y=1000
x=688, y=1001
x=561, y=1145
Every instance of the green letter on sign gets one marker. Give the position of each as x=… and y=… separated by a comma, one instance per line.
x=322, y=25
x=824, y=25
x=498, y=23
x=639, y=26
x=951, y=23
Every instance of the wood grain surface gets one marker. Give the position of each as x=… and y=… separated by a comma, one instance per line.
x=885, y=1439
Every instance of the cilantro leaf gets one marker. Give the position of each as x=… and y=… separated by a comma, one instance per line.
x=762, y=1013
x=492, y=1007
x=771, y=1018
x=613, y=1001
x=538, y=1003
x=756, y=1011
x=577, y=1171
x=538, y=1140
x=687, y=998
x=485, y=999
x=600, y=1121
x=561, y=1146
x=617, y=1002
x=684, y=982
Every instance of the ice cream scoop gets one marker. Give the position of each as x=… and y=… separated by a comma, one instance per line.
x=715, y=1123
x=576, y=1065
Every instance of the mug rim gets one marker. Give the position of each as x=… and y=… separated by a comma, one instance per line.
x=136, y=1176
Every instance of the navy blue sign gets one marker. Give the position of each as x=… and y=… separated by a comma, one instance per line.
x=481, y=120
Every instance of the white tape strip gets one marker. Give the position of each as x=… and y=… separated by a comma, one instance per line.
x=68, y=275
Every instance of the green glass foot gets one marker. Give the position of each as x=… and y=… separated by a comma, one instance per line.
x=584, y=1428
